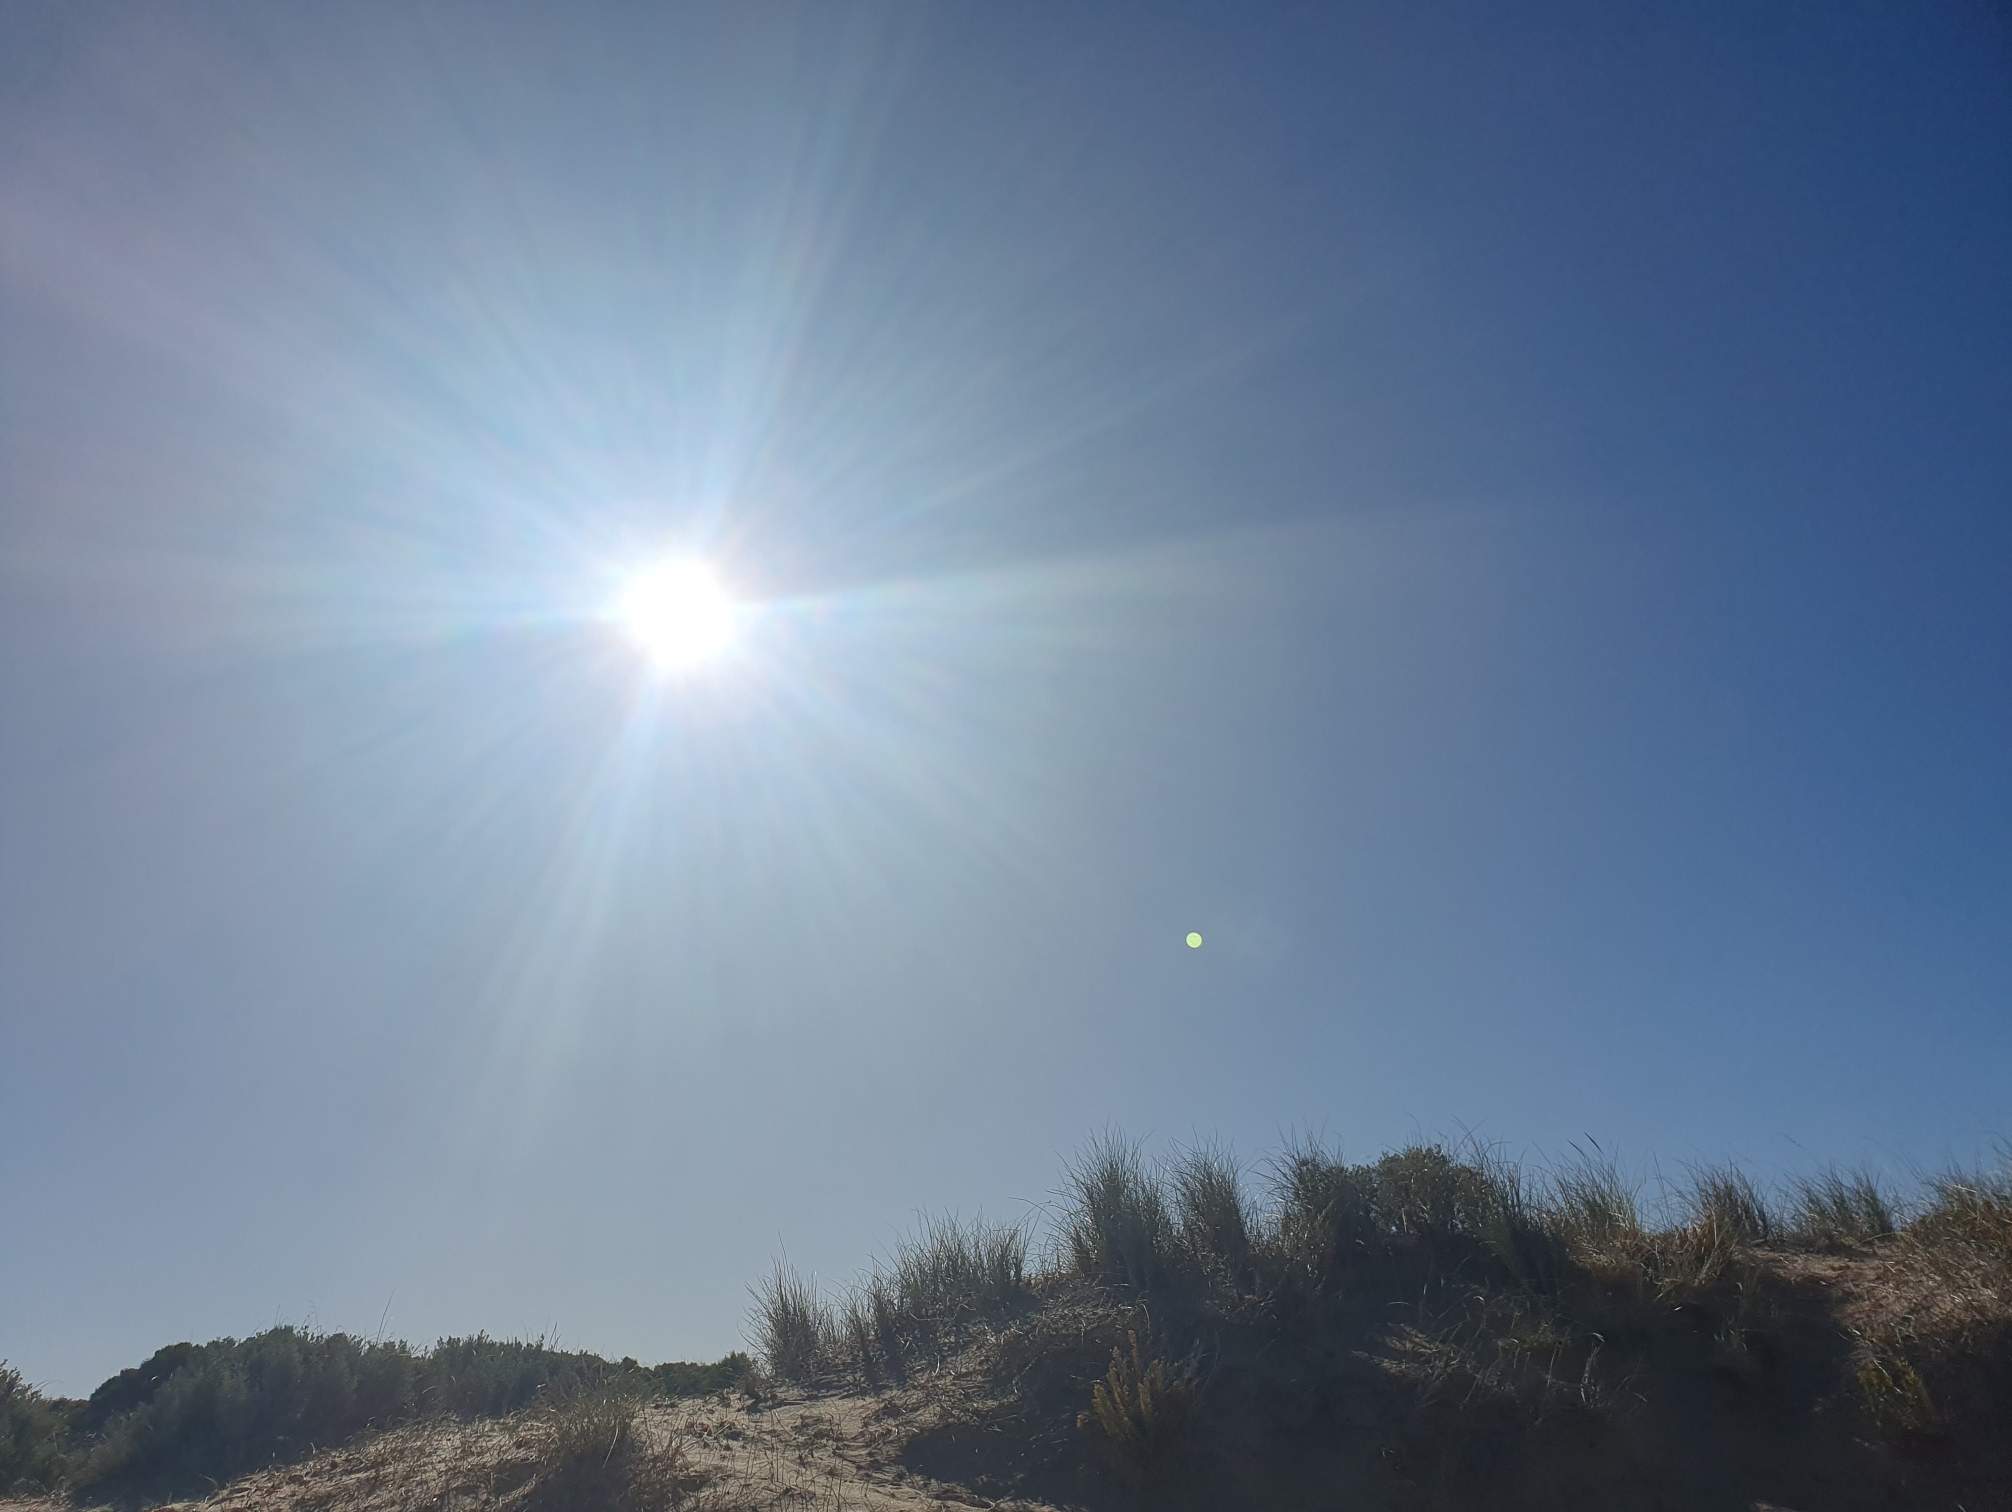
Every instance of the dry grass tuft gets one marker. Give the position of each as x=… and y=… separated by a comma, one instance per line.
x=794, y=1327
x=1935, y=1350
x=1725, y=1201
x=1835, y=1210
x=596, y=1454
x=1965, y=1230
x=944, y=1279
x=1595, y=1210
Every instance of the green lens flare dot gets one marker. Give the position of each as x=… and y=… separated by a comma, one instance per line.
x=1194, y=939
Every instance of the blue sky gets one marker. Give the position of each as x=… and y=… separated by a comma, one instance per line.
x=1497, y=516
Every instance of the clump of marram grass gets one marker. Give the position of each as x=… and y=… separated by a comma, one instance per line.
x=952, y=1272
x=876, y=1338
x=856, y=1323
x=1116, y=1226
x=1145, y=1412
x=1595, y=1210
x=1518, y=1229
x=594, y=1450
x=1694, y=1259
x=1837, y=1209
x=1964, y=1228
x=1948, y=1277
x=794, y=1327
x=1212, y=1216
x=1725, y=1199
x=949, y=1275
x=883, y=1318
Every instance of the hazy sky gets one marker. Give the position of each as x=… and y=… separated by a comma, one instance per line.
x=1500, y=516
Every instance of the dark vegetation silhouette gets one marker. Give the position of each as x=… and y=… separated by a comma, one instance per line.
x=1441, y=1327
x=1436, y=1328
x=192, y=1415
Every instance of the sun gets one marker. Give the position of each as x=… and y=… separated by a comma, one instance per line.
x=680, y=613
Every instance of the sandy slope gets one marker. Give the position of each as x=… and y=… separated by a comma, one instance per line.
x=834, y=1454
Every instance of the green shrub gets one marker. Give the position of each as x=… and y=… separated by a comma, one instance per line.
x=31, y=1435
x=1145, y=1412
x=1424, y=1191
x=238, y=1404
x=135, y=1386
x=205, y=1413
x=681, y=1378
x=1325, y=1215
x=478, y=1376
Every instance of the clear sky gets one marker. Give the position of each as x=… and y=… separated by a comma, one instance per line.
x=1499, y=516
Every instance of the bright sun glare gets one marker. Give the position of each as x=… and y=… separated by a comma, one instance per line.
x=679, y=612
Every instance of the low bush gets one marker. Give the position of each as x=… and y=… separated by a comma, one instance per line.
x=1421, y=1207
x=136, y=1386
x=685, y=1378
x=1423, y=1191
x=202, y=1413
x=243, y=1403
x=478, y=1376
x=1324, y=1215
x=31, y=1435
